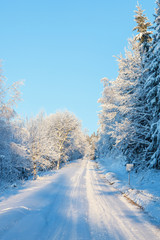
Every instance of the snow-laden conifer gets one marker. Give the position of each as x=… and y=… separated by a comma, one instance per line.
x=152, y=89
x=130, y=126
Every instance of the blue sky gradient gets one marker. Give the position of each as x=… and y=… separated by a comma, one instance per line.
x=62, y=49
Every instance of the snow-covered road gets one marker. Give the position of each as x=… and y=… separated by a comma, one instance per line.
x=73, y=204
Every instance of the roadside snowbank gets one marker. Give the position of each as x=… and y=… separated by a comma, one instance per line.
x=144, y=188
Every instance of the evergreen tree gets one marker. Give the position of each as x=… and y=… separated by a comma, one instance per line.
x=142, y=118
x=143, y=36
x=152, y=89
x=127, y=129
x=130, y=125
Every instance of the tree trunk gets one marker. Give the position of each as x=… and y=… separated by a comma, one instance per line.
x=34, y=171
x=58, y=163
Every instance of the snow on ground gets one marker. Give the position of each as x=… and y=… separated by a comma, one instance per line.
x=74, y=203
x=144, y=187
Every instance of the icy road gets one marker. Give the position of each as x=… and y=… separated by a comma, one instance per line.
x=72, y=204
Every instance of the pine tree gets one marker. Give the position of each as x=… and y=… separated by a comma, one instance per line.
x=143, y=36
x=143, y=114
x=130, y=125
x=127, y=130
x=152, y=89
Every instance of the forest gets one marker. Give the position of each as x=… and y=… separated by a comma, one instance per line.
x=130, y=105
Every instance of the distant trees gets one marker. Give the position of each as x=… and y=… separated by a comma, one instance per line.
x=37, y=144
x=129, y=119
x=40, y=143
x=54, y=139
x=91, y=148
x=65, y=136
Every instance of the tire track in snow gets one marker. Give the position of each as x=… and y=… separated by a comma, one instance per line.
x=73, y=224
x=75, y=204
x=112, y=215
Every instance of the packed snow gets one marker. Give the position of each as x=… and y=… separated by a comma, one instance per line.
x=72, y=203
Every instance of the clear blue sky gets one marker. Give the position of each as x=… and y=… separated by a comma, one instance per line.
x=62, y=49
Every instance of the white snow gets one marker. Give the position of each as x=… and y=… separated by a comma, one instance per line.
x=71, y=204
x=144, y=187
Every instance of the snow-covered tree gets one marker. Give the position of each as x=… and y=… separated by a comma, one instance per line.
x=37, y=144
x=8, y=99
x=125, y=117
x=54, y=139
x=107, y=118
x=118, y=105
x=125, y=131
x=144, y=35
x=20, y=158
x=91, y=150
x=133, y=104
x=64, y=133
x=152, y=89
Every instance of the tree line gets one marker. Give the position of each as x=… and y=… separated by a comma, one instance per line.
x=37, y=144
x=130, y=105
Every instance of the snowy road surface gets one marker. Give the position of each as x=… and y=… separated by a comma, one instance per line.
x=73, y=204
